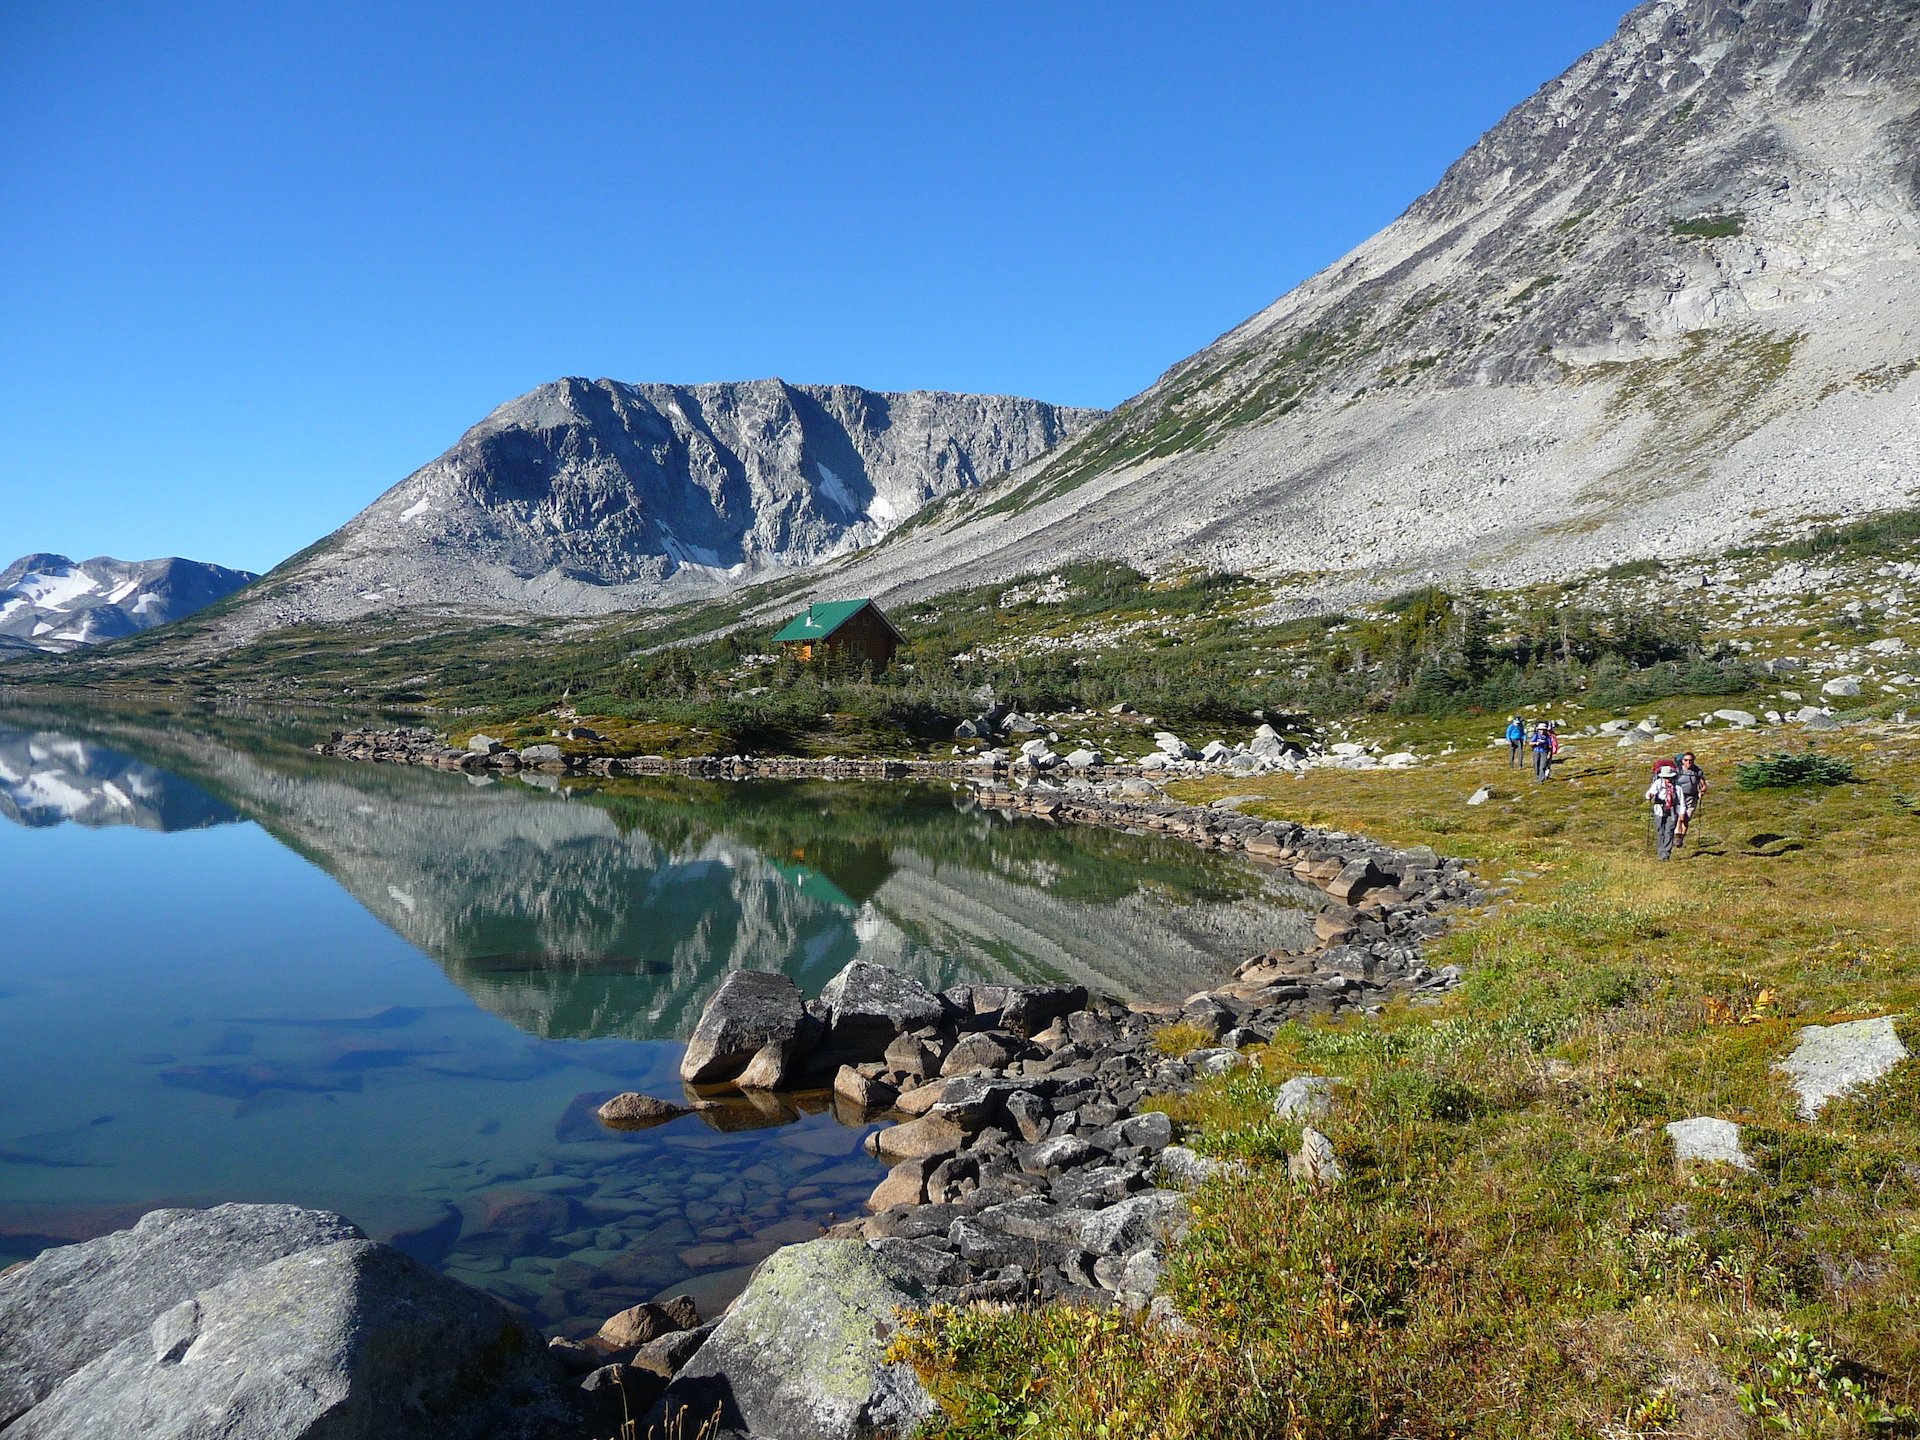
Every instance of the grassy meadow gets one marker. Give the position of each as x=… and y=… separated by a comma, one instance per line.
x=1512, y=1252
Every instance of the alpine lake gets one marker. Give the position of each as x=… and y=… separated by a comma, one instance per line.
x=233, y=970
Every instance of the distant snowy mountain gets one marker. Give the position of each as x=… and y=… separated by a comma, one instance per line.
x=48, y=602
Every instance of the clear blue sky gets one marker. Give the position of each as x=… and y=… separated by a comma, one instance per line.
x=259, y=261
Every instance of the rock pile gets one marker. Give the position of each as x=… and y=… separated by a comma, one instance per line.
x=412, y=746
x=1022, y=1164
x=1265, y=753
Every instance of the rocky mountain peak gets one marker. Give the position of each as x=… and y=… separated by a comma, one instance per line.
x=586, y=496
x=50, y=603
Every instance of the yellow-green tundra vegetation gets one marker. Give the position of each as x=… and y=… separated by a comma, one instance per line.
x=1513, y=1251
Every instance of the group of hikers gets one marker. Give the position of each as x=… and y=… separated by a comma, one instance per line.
x=1542, y=738
x=1675, y=794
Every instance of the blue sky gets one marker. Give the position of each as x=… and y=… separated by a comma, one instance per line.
x=257, y=262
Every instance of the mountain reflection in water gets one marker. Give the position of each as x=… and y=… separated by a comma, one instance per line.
x=615, y=907
x=262, y=1010
x=50, y=779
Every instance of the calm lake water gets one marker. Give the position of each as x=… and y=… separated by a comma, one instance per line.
x=230, y=970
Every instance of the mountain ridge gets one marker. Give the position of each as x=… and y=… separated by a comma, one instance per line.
x=585, y=497
x=1669, y=301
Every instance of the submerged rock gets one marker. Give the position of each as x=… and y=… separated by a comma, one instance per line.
x=803, y=1352
x=634, y=1111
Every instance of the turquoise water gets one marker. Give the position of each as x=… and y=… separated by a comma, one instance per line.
x=233, y=971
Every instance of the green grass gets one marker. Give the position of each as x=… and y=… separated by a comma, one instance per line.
x=1513, y=1252
x=1708, y=227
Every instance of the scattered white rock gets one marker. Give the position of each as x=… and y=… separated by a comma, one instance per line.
x=1707, y=1140
x=1831, y=1060
x=1185, y=1169
x=1315, y=1164
x=1305, y=1097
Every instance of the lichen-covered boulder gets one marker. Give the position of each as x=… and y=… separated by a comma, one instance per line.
x=1707, y=1140
x=196, y=1329
x=802, y=1354
x=1832, y=1060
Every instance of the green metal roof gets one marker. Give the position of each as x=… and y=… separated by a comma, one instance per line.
x=821, y=619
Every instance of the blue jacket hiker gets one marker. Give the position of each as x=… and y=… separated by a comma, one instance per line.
x=1516, y=740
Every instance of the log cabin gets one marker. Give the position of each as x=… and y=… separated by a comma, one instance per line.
x=854, y=629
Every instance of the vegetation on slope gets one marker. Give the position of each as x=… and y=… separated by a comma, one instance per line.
x=1197, y=650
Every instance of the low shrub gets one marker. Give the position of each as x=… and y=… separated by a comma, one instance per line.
x=1781, y=770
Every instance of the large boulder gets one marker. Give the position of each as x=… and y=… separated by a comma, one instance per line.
x=802, y=1354
x=868, y=1006
x=756, y=1022
x=75, y=1303
x=261, y=1322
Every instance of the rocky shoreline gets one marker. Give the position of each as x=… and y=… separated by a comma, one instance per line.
x=1025, y=1166
x=1033, y=759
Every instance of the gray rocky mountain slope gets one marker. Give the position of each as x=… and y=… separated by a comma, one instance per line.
x=1669, y=301
x=48, y=602
x=585, y=497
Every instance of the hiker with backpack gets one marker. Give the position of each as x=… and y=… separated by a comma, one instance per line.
x=1516, y=740
x=1542, y=751
x=1664, y=795
x=1691, y=781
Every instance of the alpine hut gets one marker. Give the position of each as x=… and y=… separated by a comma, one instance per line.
x=854, y=629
